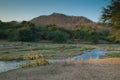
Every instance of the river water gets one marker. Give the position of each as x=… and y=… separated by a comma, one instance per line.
x=86, y=55
x=94, y=54
x=9, y=65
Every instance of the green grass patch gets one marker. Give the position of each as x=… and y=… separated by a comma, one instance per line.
x=111, y=55
x=16, y=50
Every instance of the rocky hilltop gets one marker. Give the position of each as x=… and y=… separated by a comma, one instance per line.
x=62, y=20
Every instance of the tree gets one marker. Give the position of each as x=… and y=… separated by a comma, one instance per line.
x=60, y=37
x=28, y=33
x=111, y=15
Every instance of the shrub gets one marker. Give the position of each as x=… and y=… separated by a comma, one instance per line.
x=32, y=56
x=37, y=60
x=60, y=37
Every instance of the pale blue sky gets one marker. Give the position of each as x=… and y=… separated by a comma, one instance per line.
x=27, y=9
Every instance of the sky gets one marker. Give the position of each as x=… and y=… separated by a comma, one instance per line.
x=19, y=10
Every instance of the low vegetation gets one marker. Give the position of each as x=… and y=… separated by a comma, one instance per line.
x=111, y=55
x=35, y=60
x=112, y=48
x=16, y=50
x=10, y=57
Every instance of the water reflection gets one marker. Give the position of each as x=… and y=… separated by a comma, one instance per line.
x=9, y=65
x=94, y=54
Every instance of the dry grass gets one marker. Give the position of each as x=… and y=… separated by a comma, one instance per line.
x=91, y=70
x=103, y=61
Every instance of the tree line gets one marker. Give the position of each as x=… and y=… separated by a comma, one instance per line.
x=28, y=32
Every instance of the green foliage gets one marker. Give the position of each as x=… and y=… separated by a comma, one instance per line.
x=95, y=37
x=104, y=34
x=78, y=34
x=28, y=32
x=4, y=30
x=88, y=33
x=60, y=37
x=111, y=15
x=115, y=35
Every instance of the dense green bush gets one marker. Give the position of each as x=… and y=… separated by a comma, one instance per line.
x=60, y=37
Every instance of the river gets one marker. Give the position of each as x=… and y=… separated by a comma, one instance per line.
x=86, y=55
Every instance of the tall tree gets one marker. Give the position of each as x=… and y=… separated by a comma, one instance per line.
x=111, y=15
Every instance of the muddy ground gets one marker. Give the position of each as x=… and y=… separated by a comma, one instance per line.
x=68, y=71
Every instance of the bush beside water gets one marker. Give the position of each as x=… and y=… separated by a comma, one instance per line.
x=36, y=60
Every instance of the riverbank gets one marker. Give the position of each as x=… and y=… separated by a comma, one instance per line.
x=102, y=69
x=16, y=50
x=90, y=55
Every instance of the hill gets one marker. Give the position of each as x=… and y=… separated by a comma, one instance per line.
x=62, y=20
